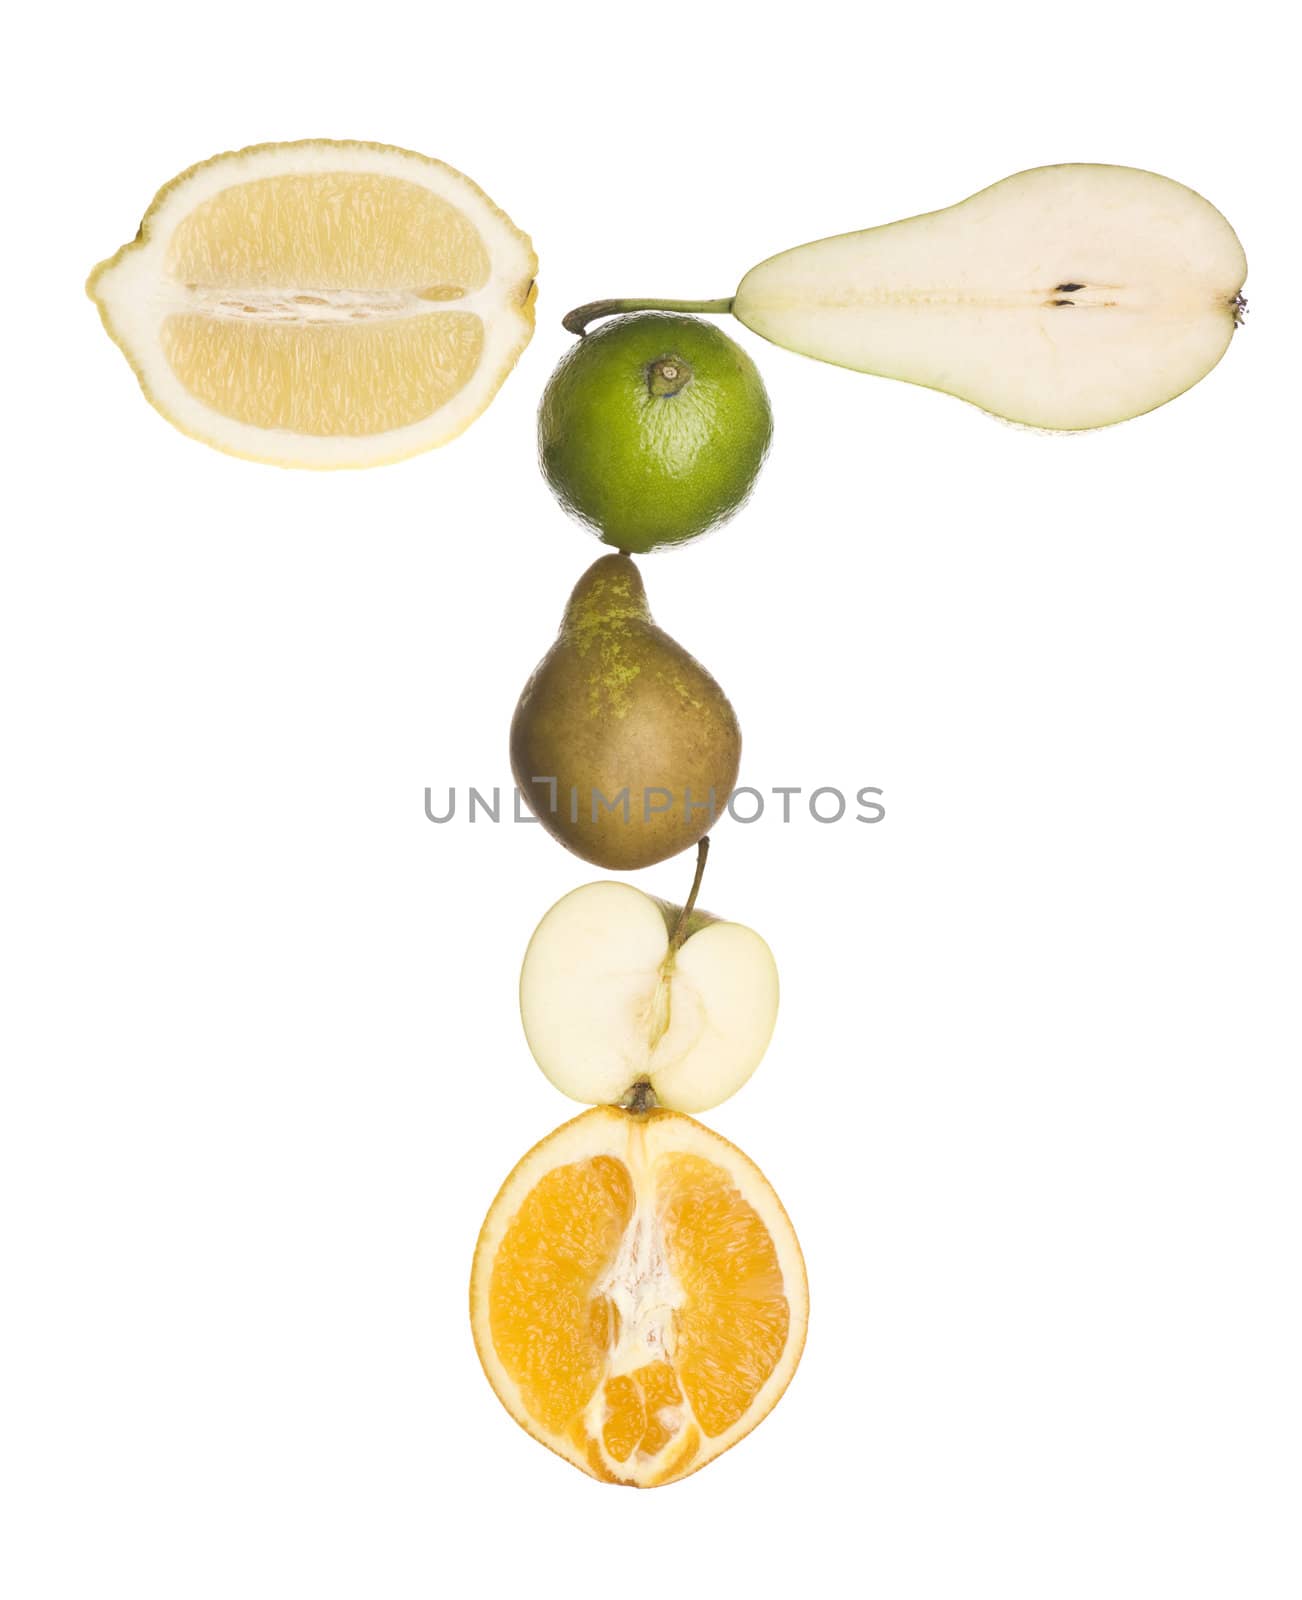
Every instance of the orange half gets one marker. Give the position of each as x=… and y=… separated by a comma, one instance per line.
x=638, y=1296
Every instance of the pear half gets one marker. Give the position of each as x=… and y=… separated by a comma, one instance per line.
x=1064, y=297
x=608, y=1006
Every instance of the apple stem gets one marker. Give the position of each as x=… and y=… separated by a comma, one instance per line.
x=577, y=321
x=640, y=1098
x=680, y=927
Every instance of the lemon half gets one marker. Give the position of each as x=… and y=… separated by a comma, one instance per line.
x=327, y=303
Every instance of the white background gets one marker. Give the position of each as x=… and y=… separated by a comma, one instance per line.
x=1032, y=1103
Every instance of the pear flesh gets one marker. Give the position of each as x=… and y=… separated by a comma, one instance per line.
x=608, y=1006
x=623, y=745
x=1064, y=297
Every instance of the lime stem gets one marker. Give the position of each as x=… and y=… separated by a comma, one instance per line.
x=680, y=927
x=668, y=376
x=577, y=321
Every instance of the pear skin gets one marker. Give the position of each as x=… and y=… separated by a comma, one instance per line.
x=623, y=745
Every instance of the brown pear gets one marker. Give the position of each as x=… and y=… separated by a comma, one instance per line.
x=623, y=744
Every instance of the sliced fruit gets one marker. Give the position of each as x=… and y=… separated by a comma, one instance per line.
x=609, y=1003
x=638, y=1296
x=1063, y=297
x=327, y=303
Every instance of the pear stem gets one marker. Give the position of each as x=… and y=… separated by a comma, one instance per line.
x=577, y=321
x=680, y=927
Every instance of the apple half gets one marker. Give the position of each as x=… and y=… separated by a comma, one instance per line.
x=623, y=1002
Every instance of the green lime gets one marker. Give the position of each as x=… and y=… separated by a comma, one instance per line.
x=652, y=430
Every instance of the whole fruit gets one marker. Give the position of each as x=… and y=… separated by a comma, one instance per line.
x=653, y=429
x=622, y=744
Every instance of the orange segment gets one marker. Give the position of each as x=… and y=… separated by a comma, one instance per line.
x=735, y=1322
x=625, y=1418
x=541, y=1296
x=638, y=1296
x=679, y=1463
x=662, y=1399
x=642, y=1411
